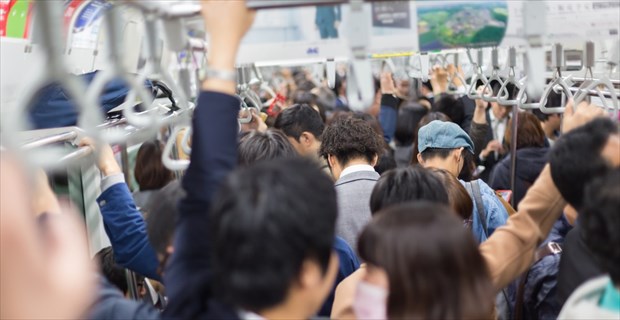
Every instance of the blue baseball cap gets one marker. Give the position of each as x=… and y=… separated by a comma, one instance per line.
x=443, y=135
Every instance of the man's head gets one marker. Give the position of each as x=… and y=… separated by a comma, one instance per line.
x=498, y=110
x=272, y=230
x=262, y=146
x=161, y=215
x=441, y=145
x=451, y=107
x=582, y=155
x=407, y=184
x=348, y=142
x=600, y=221
x=303, y=126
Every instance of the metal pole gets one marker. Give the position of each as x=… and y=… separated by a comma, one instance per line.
x=513, y=153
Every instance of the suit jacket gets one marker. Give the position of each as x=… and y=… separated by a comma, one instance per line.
x=490, y=162
x=353, y=192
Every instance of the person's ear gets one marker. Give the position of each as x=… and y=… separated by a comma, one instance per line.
x=374, y=161
x=331, y=160
x=459, y=154
x=306, y=139
x=310, y=274
x=420, y=159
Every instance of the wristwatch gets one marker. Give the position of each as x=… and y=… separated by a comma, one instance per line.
x=226, y=75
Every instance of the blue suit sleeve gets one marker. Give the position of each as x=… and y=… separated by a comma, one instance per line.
x=214, y=156
x=126, y=229
x=388, y=116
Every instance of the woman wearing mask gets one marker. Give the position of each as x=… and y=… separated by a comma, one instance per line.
x=421, y=264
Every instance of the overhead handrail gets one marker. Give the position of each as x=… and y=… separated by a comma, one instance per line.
x=472, y=92
x=558, y=83
x=167, y=10
x=422, y=70
x=504, y=95
x=78, y=154
x=487, y=92
x=60, y=137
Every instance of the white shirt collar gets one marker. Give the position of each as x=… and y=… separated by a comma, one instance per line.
x=248, y=315
x=356, y=168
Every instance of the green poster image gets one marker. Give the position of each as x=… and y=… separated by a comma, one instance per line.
x=446, y=25
x=17, y=19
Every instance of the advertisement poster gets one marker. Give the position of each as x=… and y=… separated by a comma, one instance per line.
x=85, y=30
x=15, y=17
x=459, y=24
x=391, y=14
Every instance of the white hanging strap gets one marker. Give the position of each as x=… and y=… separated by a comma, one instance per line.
x=472, y=92
x=487, y=93
x=504, y=95
x=534, y=22
x=558, y=83
x=360, y=92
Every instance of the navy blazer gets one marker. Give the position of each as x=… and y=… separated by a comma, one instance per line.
x=214, y=156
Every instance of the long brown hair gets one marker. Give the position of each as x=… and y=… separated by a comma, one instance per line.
x=530, y=133
x=434, y=268
x=150, y=172
x=460, y=201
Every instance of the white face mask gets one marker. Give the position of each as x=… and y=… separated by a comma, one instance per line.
x=370, y=302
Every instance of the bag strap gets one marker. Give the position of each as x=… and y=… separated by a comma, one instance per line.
x=551, y=248
x=473, y=188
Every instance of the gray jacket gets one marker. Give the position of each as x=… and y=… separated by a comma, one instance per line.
x=353, y=192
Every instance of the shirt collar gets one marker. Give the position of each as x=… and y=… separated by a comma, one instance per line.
x=249, y=315
x=356, y=168
x=494, y=119
x=611, y=298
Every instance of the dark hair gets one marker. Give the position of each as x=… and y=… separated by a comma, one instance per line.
x=348, y=139
x=386, y=161
x=430, y=153
x=162, y=214
x=407, y=184
x=553, y=100
x=434, y=267
x=453, y=108
x=300, y=118
x=407, y=123
x=150, y=172
x=459, y=198
x=576, y=158
x=600, y=222
x=371, y=120
x=265, y=222
x=113, y=272
x=530, y=133
x=261, y=146
x=510, y=88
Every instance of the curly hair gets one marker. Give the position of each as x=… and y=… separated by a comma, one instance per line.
x=350, y=138
x=600, y=222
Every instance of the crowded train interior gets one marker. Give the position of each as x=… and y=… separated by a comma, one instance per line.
x=309, y=159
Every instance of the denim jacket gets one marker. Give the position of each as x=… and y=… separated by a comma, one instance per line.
x=496, y=214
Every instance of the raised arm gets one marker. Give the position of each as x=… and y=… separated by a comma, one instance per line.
x=510, y=250
x=388, y=114
x=214, y=155
x=122, y=221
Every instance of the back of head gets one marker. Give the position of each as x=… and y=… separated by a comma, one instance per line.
x=432, y=116
x=529, y=132
x=408, y=184
x=267, y=220
x=150, y=172
x=576, y=159
x=434, y=268
x=600, y=222
x=451, y=107
x=407, y=123
x=553, y=100
x=459, y=198
x=262, y=146
x=161, y=216
x=299, y=118
x=351, y=138
x=114, y=273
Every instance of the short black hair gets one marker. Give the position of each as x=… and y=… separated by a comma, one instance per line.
x=600, y=222
x=452, y=107
x=300, y=118
x=553, y=100
x=351, y=138
x=386, y=161
x=409, y=117
x=576, y=158
x=265, y=222
x=161, y=216
x=407, y=184
x=510, y=88
x=262, y=146
x=113, y=272
x=430, y=153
